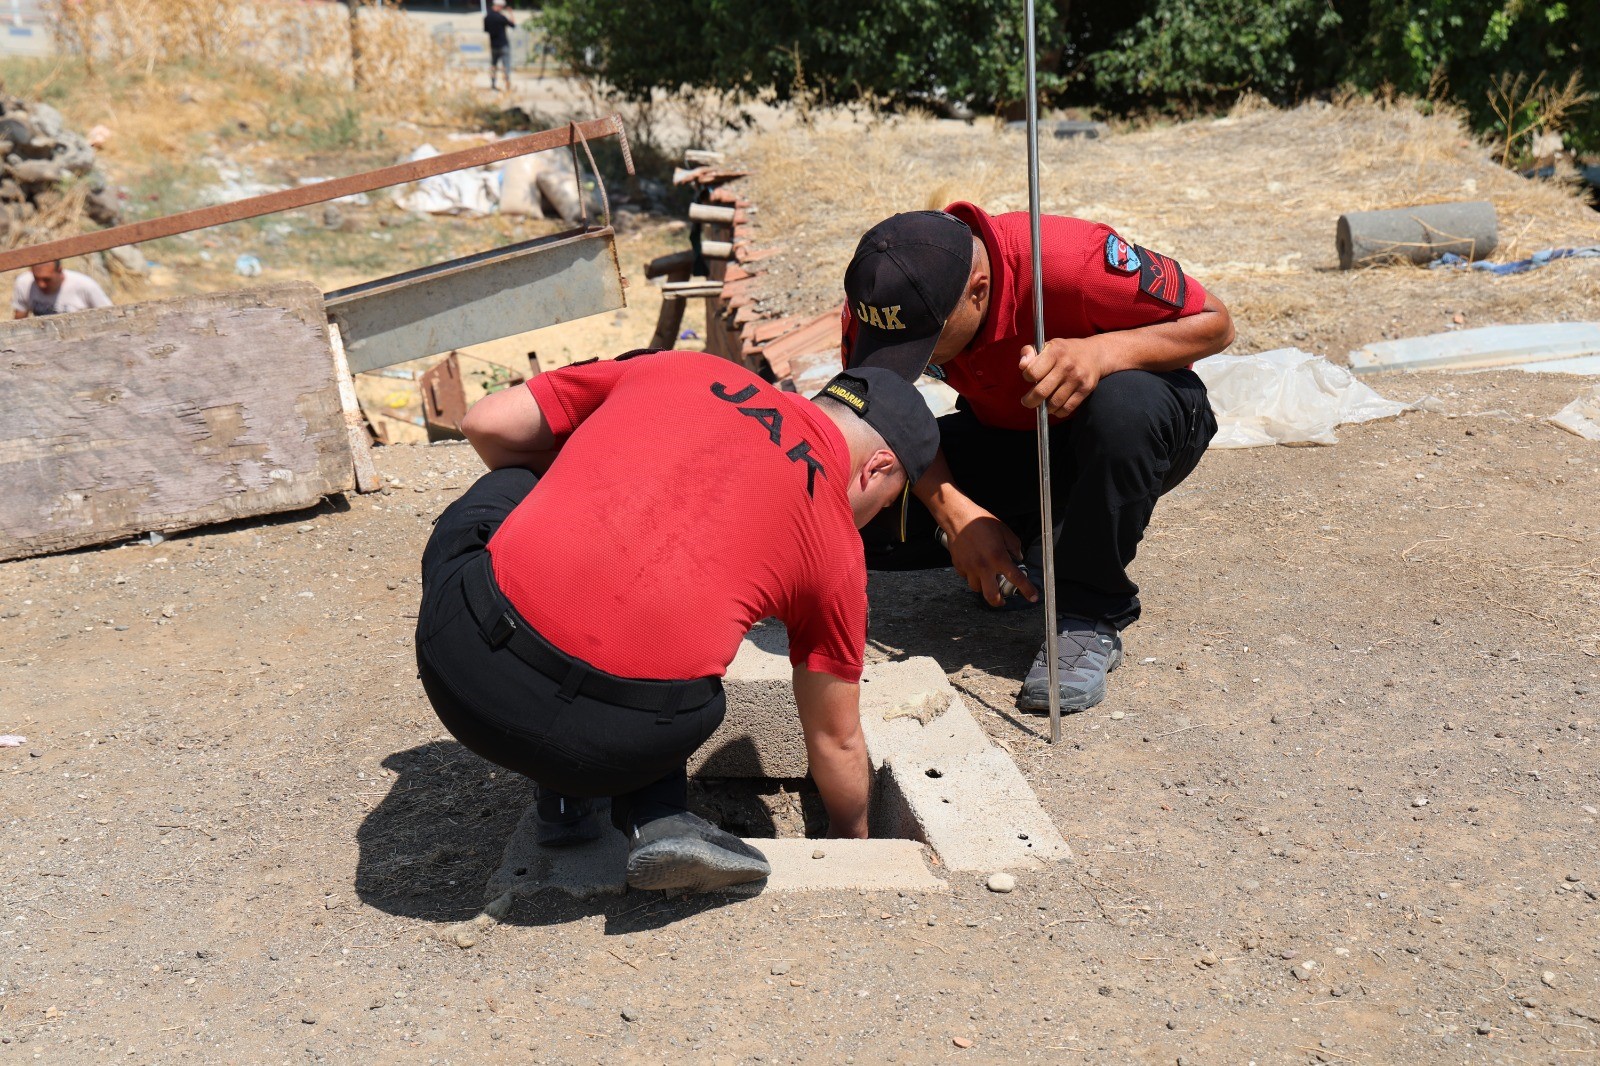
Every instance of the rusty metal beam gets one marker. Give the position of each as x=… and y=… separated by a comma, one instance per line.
x=321, y=192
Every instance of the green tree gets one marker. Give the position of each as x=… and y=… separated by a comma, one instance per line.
x=1201, y=52
x=968, y=51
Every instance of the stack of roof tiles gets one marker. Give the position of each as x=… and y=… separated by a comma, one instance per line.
x=737, y=327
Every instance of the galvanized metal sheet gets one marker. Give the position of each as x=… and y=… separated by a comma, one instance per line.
x=1556, y=347
x=482, y=297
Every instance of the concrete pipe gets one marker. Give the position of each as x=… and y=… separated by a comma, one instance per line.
x=1417, y=234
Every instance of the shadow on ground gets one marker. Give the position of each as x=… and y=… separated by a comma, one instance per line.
x=931, y=612
x=428, y=848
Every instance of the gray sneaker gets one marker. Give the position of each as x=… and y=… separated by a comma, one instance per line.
x=685, y=853
x=1087, y=651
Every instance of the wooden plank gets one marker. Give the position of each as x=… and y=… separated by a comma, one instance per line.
x=319, y=192
x=167, y=415
x=355, y=423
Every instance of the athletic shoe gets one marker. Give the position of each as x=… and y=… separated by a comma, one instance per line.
x=1086, y=651
x=565, y=821
x=683, y=853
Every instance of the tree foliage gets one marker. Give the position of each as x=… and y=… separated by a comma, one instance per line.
x=969, y=51
x=1113, y=55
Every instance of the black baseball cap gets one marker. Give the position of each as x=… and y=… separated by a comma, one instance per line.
x=907, y=276
x=891, y=405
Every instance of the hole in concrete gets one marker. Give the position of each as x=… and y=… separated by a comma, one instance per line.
x=934, y=771
x=522, y=871
x=763, y=807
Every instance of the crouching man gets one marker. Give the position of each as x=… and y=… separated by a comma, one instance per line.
x=582, y=601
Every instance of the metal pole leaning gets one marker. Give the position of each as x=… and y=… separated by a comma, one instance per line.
x=1047, y=532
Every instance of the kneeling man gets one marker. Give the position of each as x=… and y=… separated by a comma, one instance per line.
x=583, y=599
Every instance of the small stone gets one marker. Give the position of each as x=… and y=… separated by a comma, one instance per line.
x=1302, y=971
x=1419, y=801
x=1208, y=959
x=1574, y=879
x=819, y=854
x=960, y=1041
x=1117, y=716
x=629, y=1014
x=465, y=938
x=1549, y=978
x=779, y=969
x=332, y=217
x=1001, y=882
x=1288, y=954
x=308, y=1019
x=1172, y=1023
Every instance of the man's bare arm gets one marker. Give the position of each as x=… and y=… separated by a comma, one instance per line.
x=981, y=546
x=1069, y=370
x=830, y=716
x=506, y=428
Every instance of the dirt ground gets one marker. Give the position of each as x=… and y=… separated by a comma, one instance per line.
x=1340, y=805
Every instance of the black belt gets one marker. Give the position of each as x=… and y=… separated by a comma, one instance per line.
x=503, y=627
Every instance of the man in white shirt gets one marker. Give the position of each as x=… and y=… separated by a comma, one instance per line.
x=49, y=290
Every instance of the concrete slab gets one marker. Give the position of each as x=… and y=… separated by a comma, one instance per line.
x=846, y=865
x=599, y=869
x=584, y=872
x=760, y=736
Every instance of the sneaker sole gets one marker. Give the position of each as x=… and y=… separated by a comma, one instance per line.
x=1038, y=697
x=691, y=865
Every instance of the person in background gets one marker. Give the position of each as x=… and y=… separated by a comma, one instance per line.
x=49, y=290
x=496, y=24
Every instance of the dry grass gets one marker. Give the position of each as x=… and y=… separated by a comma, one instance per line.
x=403, y=69
x=1247, y=203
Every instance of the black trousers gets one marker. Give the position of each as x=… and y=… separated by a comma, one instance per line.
x=1133, y=440
x=511, y=714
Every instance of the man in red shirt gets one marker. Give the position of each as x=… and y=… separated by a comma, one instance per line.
x=582, y=601
x=951, y=293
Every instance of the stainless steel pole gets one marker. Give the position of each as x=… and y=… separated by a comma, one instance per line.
x=1048, y=528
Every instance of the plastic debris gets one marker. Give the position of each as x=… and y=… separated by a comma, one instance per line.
x=1541, y=347
x=474, y=191
x=11, y=740
x=247, y=266
x=1286, y=396
x=1519, y=266
x=688, y=335
x=1581, y=416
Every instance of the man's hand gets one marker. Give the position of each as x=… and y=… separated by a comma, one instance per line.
x=830, y=716
x=1064, y=374
x=981, y=548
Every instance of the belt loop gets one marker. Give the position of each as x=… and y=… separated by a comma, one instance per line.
x=674, y=703
x=576, y=675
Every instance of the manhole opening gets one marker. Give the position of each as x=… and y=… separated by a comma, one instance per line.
x=761, y=807
x=764, y=807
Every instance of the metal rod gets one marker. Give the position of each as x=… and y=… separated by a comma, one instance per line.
x=320, y=192
x=1047, y=532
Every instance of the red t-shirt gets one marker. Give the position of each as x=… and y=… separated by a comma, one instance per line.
x=1095, y=282
x=689, y=501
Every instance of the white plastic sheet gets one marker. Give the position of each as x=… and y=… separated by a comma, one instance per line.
x=460, y=192
x=1286, y=396
x=1581, y=416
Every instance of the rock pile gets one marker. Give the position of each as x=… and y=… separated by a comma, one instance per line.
x=47, y=175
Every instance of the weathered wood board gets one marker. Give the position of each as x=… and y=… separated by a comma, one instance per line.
x=166, y=415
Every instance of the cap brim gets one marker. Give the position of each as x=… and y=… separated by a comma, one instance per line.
x=908, y=358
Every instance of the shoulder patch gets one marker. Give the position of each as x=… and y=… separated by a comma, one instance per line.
x=1161, y=277
x=1120, y=255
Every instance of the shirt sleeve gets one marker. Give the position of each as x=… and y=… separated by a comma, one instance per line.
x=828, y=626
x=95, y=296
x=19, y=292
x=568, y=396
x=1125, y=286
